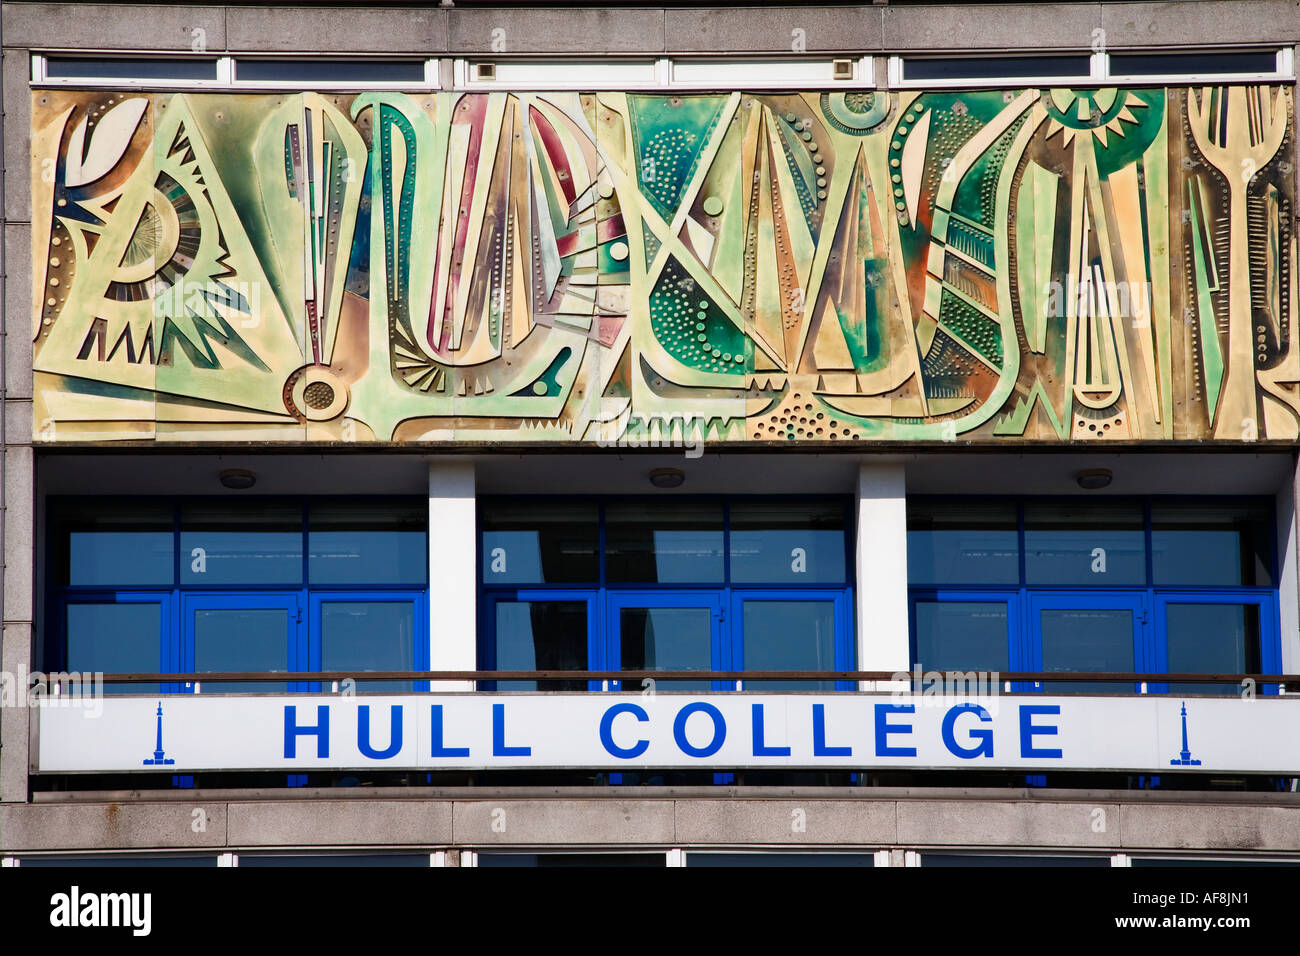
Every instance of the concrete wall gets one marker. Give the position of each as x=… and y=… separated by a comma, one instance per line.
x=1006, y=820
x=1132, y=821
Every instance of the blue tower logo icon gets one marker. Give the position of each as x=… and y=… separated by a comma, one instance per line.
x=1184, y=759
x=160, y=757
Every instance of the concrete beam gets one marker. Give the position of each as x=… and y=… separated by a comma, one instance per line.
x=112, y=26
x=17, y=68
x=979, y=26
x=113, y=826
x=323, y=822
x=795, y=822
x=17, y=320
x=1274, y=22
x=557, y=32
x=766, y=29
x=567, y=822
x=405, y=30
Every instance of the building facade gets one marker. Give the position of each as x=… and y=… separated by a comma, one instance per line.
x=888, y=414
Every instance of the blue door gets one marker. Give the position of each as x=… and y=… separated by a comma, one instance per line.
x=1088, y=632
x=793, y=630
x=232, y=632
x=540, y=630
x=665, y=630
x=361, y=631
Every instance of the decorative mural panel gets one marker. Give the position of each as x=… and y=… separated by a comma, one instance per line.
x=993, y=266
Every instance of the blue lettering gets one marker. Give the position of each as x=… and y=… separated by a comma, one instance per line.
x=394, y=733
x=1028, y=730
x=819, y=736
x=719, y=730
x=499, y=748
x=760, y=748
x=292, y=731
x=884, y=728
x=607, y=735
x=983, y=749
x=439, y=750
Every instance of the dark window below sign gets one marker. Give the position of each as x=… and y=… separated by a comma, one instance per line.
x=1192, y=64
x=992, y=67
x=326, y=70
x=125, y=68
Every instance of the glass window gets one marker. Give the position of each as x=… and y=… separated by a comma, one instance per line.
x=1211, y=546
x=670, y=544
x=116, y=639
x=959, y=543
x=992, y=67
x=334, y=859
x=1207, y=638
x=962, y=636
x=242, y=640
x=540, y=543
x=329, y=70
x=572, y=859
x=789, y=636
x=365, y=543
x=130, y=68
x=788, y=543
x=1087, y=639
x=541, y=636
x=980, y=859
x=115, y=544
x=227, y=543
x=780, y=859
x=1192, y=64
x=1098, y=544
x=369, y=636
x=667, y=638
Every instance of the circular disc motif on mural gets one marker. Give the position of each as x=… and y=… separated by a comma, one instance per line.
x=856, y=113
x=316, y=394
x=1123, y=123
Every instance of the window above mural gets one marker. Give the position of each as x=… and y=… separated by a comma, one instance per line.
x=990, y=266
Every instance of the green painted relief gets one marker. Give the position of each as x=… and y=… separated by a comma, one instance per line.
x=1000, y=266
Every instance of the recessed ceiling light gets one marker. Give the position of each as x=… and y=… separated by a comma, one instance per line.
x=667, y=477
x=1091, y=479
x=238, y=479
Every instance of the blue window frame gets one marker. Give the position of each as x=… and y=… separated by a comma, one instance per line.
x=666, y=583
x=255, y=584
x=1149, y=585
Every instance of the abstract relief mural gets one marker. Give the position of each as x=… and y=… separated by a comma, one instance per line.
x=1022, y=265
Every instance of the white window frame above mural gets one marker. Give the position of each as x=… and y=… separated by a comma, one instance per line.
x=738, y=268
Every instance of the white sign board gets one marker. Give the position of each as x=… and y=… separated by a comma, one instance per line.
x=182, y=734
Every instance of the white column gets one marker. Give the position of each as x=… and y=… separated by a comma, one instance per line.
x=453, y=567
x=881, y=550
x=1288, y=579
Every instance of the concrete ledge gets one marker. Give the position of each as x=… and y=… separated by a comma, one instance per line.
x=796, y=822
x=1210, y=828
x=112, y=826
x=999, y=825
x=525, y=822
x=978, y=26
x=562, y=32
x=1161, y=24
x=1009, y=824
x=103, y=26
x=322, y=822
x=773, y=29
x=405, y=30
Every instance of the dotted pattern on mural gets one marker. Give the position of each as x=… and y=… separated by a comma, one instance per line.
x=948, y=360
x=691, y=328
x=798, y=418
x=972, y=326
x=665, y=164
